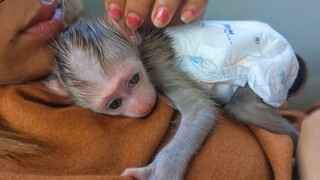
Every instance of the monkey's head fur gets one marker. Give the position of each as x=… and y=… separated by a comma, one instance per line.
x=98, y=66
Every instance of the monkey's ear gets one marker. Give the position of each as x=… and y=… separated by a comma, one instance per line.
x=130, y=35
x=55, y=86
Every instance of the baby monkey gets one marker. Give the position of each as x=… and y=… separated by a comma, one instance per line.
x=108, y=69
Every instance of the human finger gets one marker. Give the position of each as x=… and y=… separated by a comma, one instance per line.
x=136, y=12
x=163, y=11
x=115, y=8
x=193, y=9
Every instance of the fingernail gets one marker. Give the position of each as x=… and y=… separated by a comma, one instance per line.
x=188, y=14
x=133, y=20
x=161, y=17
x=115, y=11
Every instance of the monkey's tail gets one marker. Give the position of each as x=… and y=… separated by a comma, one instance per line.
x=14, y=145
x=248, y=108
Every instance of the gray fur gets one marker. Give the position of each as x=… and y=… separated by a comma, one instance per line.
x=199, y=112
x=102, y=41
x=89, y=39
x=248, y=108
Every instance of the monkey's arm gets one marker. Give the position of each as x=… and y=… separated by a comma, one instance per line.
x=198, y=115
x=198, y=112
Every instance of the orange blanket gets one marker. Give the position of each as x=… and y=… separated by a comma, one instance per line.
x=79, y=144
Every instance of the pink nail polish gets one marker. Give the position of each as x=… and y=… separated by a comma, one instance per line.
x=133, y=20
x=161, y=17
x=115, y=10
x=188, y=14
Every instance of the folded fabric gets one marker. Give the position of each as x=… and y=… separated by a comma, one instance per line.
x=79, y=144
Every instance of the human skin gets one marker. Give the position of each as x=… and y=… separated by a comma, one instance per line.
x=26, y=56
x=24, y=51
x=309, y=147
x=158, y=12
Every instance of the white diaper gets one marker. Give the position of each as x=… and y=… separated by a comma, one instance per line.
x=223, y=55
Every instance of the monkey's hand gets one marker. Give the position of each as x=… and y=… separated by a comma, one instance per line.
x=165, y=166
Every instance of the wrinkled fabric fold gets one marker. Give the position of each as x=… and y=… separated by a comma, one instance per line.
x=80, y=144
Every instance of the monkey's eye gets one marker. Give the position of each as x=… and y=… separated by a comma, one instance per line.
x=115, y=104
x=134, y=80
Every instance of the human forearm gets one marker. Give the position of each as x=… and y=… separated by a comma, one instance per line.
x=309, y=147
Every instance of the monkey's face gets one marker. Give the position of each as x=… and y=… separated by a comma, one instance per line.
x=128, y=93
x=119, y=89
x=101, y=70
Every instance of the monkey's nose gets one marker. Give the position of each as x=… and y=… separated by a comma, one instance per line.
x=146, y=109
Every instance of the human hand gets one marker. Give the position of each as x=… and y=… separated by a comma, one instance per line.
x=161, y=12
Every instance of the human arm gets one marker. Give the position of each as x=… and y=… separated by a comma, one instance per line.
x=309, y=147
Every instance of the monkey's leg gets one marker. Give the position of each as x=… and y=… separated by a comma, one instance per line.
x=198, y=116
x=248, y=108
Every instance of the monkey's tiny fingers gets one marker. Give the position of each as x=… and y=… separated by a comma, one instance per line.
x=137, y=173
